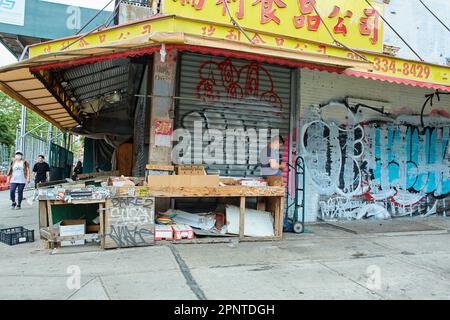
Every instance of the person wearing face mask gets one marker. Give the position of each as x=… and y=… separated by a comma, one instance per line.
x=18, y=176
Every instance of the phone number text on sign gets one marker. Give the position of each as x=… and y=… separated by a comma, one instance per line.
x=406, y=68
x=394, y=67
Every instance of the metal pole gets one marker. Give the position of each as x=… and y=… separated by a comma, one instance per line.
x=23, y=129
x=49, y=139
x=70, y=141
x=17, y=137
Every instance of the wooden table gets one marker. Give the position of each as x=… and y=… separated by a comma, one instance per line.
x=273, y=195
x=46, y=216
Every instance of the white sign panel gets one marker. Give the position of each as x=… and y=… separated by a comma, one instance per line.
x=12, y=12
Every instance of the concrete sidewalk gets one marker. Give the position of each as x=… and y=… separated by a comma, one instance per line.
x=327, y=263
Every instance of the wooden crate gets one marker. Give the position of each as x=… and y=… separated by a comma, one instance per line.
x=190, y=170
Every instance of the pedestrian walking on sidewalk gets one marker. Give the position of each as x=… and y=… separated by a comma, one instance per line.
x=18, y=176
x=41, y=171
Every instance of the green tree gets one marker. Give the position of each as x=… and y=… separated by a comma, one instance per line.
x=9, y=119
x=10, y=114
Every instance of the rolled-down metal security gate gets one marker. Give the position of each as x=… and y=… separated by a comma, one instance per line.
x=232, y=96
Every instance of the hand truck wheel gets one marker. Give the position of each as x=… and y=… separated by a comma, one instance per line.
x=298, y=227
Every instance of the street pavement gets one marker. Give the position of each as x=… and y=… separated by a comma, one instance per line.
x=325, y=263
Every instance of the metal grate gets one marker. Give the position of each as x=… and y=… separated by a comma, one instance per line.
x=226, y=94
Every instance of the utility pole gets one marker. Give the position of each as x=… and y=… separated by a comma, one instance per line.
x=116, y=17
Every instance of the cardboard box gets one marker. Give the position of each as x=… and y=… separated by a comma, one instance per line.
x=69, y=228
x=182, y=231
x=95, y=228
x=183, y=181
x=275, y=181
x=163, y=232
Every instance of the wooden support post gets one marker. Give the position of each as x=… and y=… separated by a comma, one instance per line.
x=101, y=215
x=43, y=218
x=261, y=204
x=242, y=219
x=49, y=213
x=279, y=211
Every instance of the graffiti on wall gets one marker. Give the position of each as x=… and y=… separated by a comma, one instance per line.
x=224, y=80
x=370, y=163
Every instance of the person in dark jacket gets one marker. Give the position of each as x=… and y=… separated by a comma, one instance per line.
x=77, y=170
x=41, y=171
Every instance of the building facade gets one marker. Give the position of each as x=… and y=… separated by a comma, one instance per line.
x=372, y=129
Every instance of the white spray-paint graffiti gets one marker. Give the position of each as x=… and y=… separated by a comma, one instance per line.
x=377, y=165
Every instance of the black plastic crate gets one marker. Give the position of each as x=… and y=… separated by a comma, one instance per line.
x=17, y=235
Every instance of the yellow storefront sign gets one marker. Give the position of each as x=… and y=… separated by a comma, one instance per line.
x=353, y=23
x=382, y=64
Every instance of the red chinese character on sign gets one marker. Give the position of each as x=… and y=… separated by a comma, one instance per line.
x=48, y=49
x=197, y=4
x=307, y=7
x=124, y=36
x=267, y=10
x=301, y=46
x=279, y=41
x=233, y=35
x=322, y=49
x=241, y=11
x=370, y=25
x=340, y=27
x=257, y=39
x=64, y=45
x=313, y=22
x=102, y=38
x=208, y=31
x=147, y=29
x=82, y=43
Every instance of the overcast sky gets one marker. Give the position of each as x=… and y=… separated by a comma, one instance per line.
x=7, y=58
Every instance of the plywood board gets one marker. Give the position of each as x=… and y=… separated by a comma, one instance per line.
x=125, y=159
x=217, y=192
x=129, y=222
